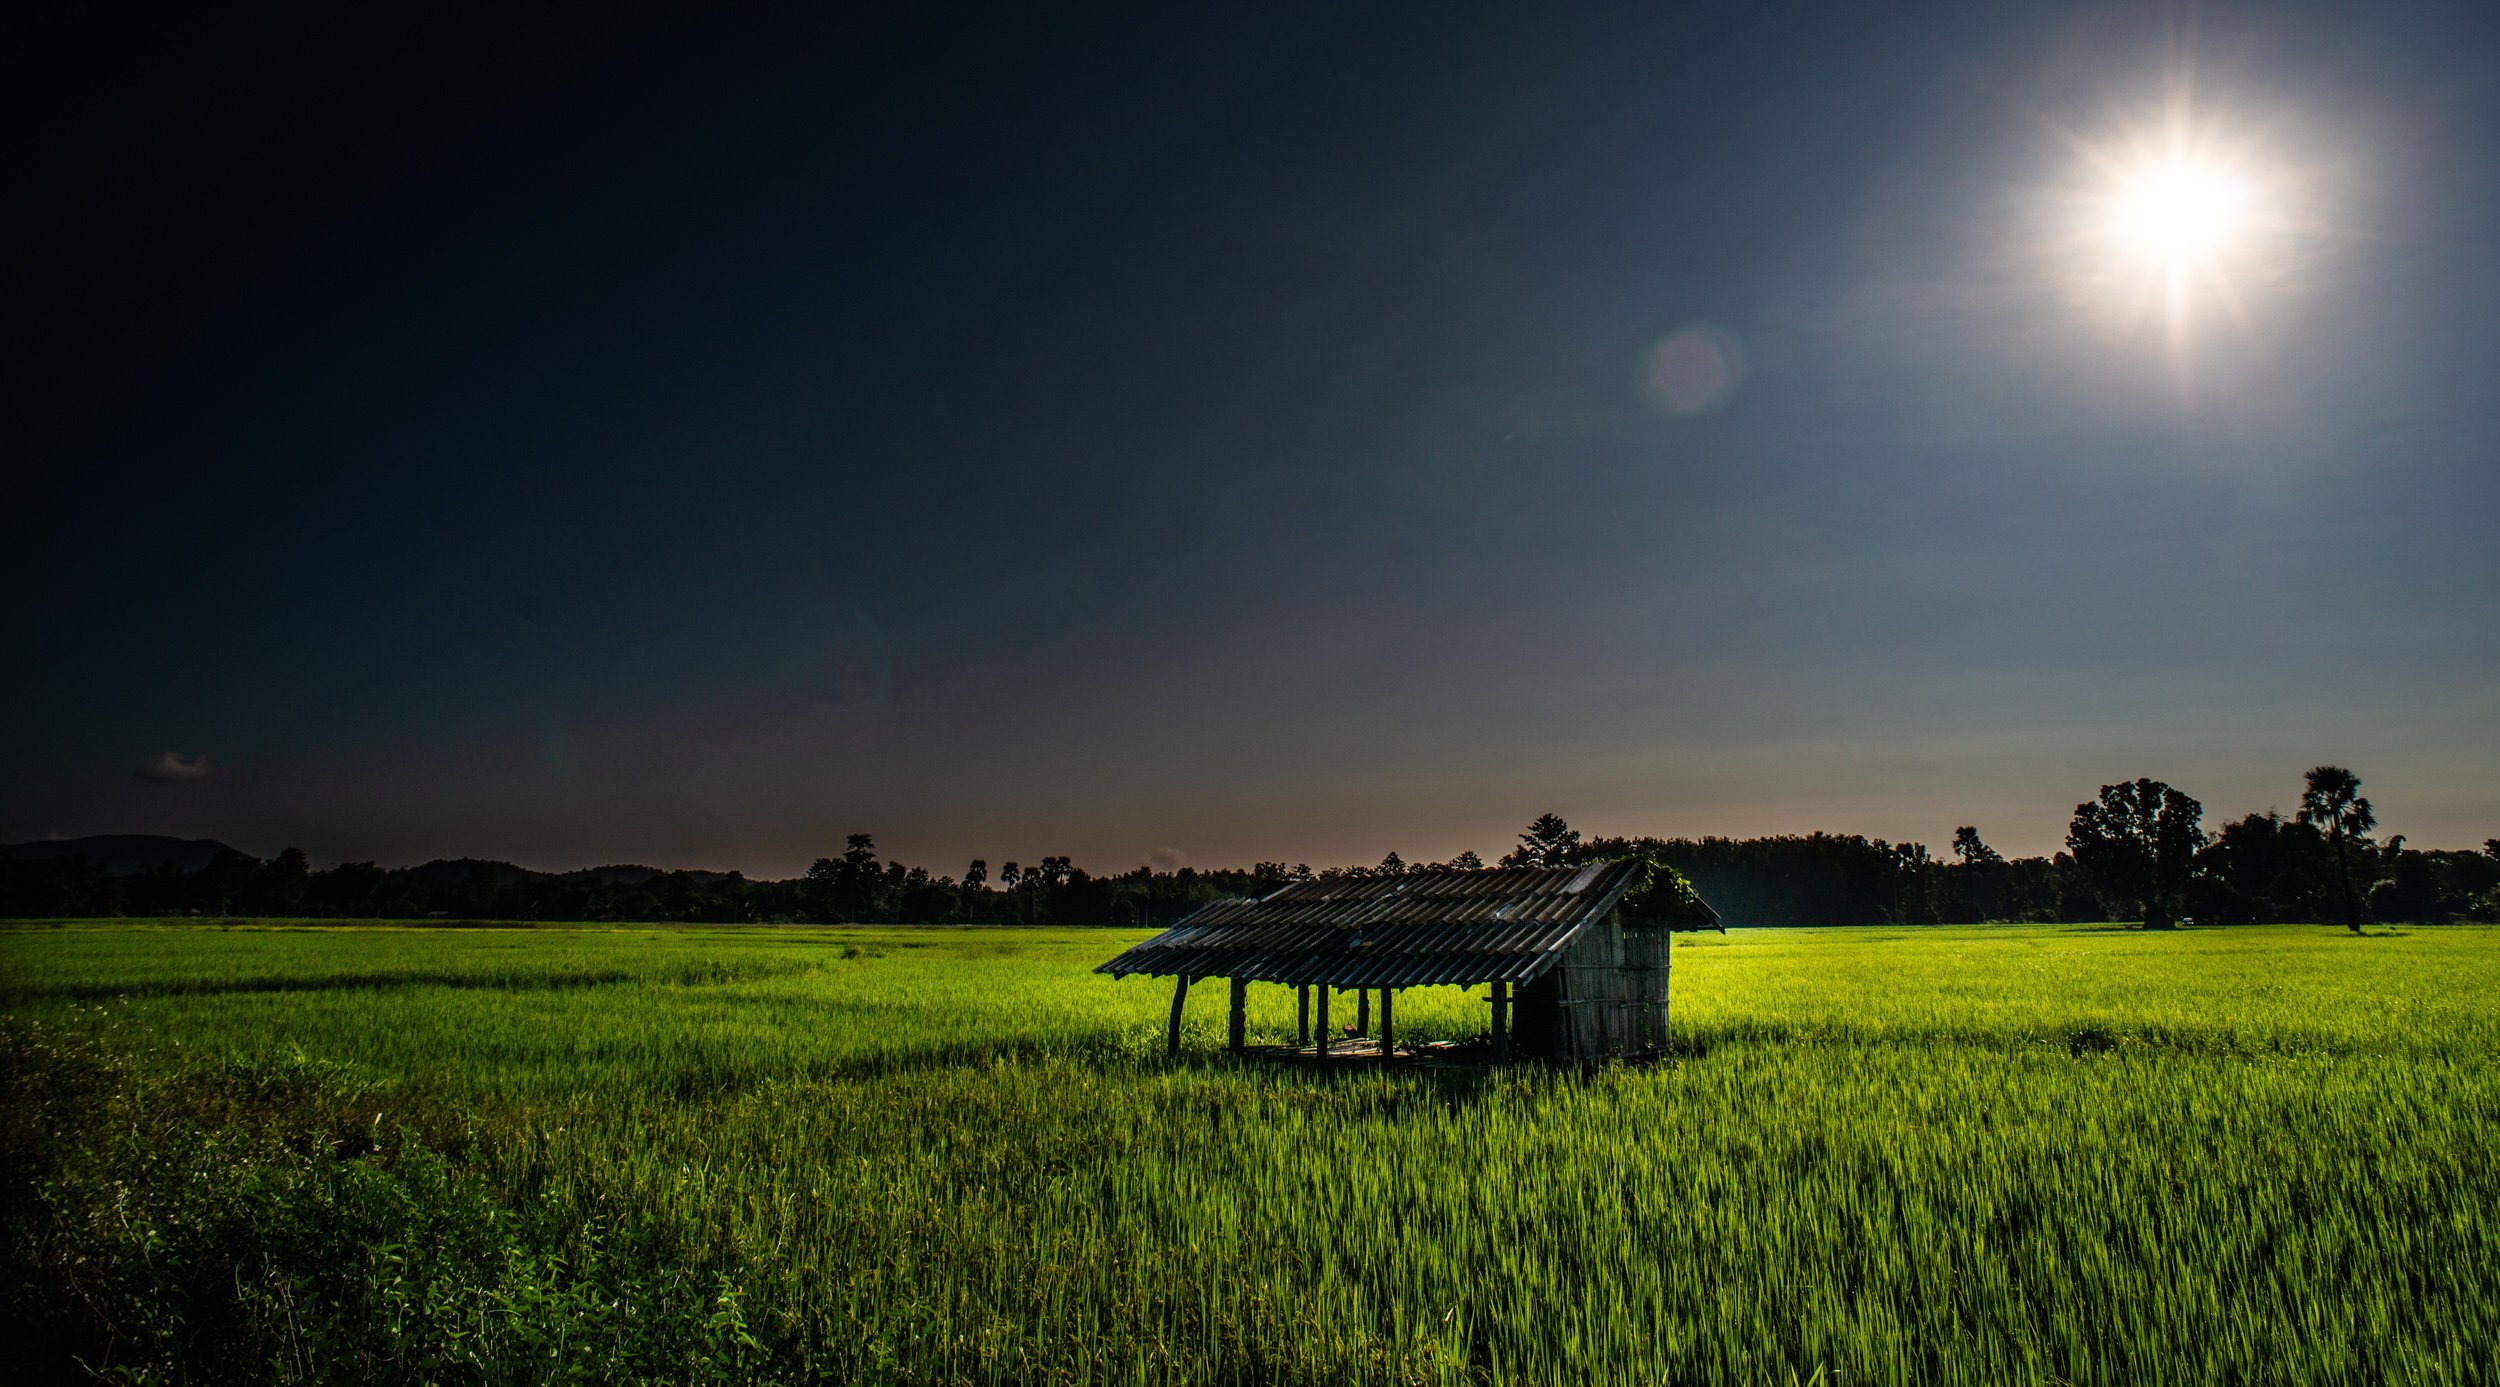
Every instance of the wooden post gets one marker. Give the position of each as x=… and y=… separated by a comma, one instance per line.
x=1302, y=1014
x=1241, y=1014
x=1323, y=1021
x=1362, y=1011
x=1388, y=1026
x=1501, y=1020
x=1180, y=994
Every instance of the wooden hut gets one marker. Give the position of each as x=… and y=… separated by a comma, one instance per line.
x=1569, y=979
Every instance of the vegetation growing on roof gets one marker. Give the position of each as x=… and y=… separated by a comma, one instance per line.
x=1660, y=898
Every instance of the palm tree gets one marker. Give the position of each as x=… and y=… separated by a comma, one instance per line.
x=2333, y=799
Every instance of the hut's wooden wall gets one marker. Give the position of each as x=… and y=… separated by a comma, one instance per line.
x=1608, y=996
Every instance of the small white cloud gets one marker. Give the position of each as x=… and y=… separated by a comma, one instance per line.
x=174, y=768
x=1166, y=859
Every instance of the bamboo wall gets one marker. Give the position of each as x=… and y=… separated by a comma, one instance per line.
x=1607, y=997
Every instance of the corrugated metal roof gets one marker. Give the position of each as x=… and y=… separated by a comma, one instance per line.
x=1416, y=930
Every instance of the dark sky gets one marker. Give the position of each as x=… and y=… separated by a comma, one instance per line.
x=1229, y=433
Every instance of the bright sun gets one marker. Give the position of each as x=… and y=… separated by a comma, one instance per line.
x=2201, y=219
x=2181, y=210
x=2180, y=213
x=2182, y=222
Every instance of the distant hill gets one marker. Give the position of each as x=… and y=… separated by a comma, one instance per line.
x=634, y=874
x=122, y=854
x=126, y=854
x=454, y=871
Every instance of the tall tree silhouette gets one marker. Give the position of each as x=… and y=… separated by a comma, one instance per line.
x=1549, y=842
x=1967, y=846
x=2332, y=800
x=2138, y=841
x=976, y=885
x=1980, y=883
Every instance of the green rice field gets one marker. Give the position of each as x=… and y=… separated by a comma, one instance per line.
x=1983, y=1155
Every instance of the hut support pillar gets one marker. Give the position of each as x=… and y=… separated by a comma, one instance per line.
x=1302, y=1014
x=1362, y=1011
x=1323, y=1021
x=1388, y=1026
x=1501, y=1020
x=1236, y=1033
x=1172, y=1034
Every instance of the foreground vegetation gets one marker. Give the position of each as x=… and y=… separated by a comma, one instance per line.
x=1976, y=1155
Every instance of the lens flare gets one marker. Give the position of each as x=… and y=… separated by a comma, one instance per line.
x=1695, y=370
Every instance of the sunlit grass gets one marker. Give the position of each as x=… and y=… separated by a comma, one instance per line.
x=934, y=1155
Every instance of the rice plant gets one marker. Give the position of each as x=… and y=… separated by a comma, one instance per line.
x=1943, y=1155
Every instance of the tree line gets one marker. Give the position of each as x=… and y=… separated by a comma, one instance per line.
x=2137, y=851
x=854, y=887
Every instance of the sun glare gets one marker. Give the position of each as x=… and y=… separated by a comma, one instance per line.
x=2182, y=221
x=2181, y=212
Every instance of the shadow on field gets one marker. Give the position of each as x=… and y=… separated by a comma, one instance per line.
x=340, y=982
x=2078, y=1037
x=1107, y=1056
x=1401, y=1083
x=2165, y=932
